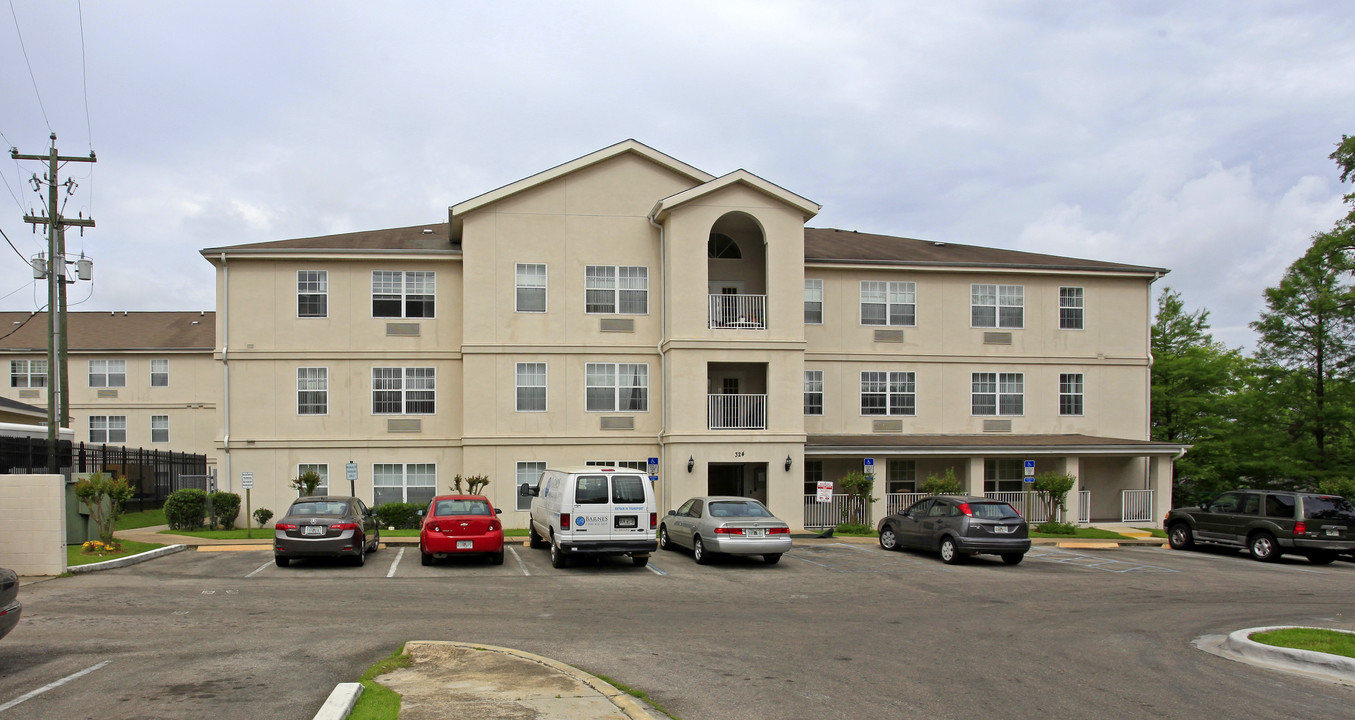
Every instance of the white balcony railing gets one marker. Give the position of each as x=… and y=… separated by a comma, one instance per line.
x=746, y=312
x=736, y=412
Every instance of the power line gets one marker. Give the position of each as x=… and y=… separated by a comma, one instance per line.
x=15, y=290
x=17, y=329
x=16, y=250
x=84, y=76
x=31, y=76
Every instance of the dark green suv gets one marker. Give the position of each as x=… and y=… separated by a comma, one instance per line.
x=1268, y=523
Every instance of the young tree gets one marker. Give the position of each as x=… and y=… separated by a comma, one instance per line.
x=104, y=496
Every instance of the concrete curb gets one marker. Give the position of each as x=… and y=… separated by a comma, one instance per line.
x=129, y=560
x=1239, y=647
x=340, y=702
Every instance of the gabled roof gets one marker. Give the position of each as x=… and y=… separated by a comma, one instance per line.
x=849, y=247
x=96, y=331
x=739, y=177
x=19, y=408
x=429, y=238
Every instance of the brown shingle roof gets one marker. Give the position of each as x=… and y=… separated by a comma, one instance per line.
x=410, y=239
x=114, y=331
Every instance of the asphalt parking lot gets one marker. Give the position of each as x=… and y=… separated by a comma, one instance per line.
x=837, y=629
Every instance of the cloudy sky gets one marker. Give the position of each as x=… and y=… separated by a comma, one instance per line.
x=1190, y=135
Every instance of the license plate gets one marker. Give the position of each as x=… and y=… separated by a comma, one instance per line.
x=627, y=521
x=754, y=532
x=1002, y=529
x=465, y=544
x=314, y=530
x=1334, y=532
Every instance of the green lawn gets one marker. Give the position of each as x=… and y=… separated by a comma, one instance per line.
x=1316, y=639
x=145, y=518
x=1084, y=533
x=75, y=557
x=236, y=534
x=379, y=702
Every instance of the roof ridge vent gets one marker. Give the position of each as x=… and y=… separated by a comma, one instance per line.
x=939, y=244
x=428, y=231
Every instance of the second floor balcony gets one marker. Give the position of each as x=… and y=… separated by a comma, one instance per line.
x=736, y=412
x=741, y=312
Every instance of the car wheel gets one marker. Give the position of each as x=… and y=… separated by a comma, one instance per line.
x=1013, y=558
x=376, y=542
x=888, y=540
x=425, y=558
x=496, y=558
x=1322, y=558
x=699, y=551
x=1263, y=547
x=950, y=554
x=281, y=561
x=1180, y=537
x=533, y=540
x=639, y=560
x=664, y=542
x=557, y=557
x=361, y=558
x=771, y=558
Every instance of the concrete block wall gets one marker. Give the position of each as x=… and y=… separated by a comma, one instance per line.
x=33, y=524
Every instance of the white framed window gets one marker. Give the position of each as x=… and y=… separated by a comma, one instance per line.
x=531, y=387
x=159, y=428
x=312, y=293
x=321, y=469
x=813, y=392
x=159, y=372
x=28, y=373
x=813, y=301
x=888, y=303
x=1071, y=300
x=888, y=393
x=641, y=465
x=1070, y=393
x=997, y=394
x=529, y=473
x=997, y=306
x=616, y=290
x=404, y=391
x=312, y=391
x=107, y=373
x=1003, y=475
x=408, y=483
x=813, y=474
x=407, y=294
x=616, y=387
x=901, y=476
x=108, y=428
x=531, y=287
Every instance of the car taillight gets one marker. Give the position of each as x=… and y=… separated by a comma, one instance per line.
x=344, y=526
x=728, y=531
x=964, y=508
x=653, y=520
x=564, y=521
x=284, y=526
x=494, y=525
x=1300, y=528
x=778, y=531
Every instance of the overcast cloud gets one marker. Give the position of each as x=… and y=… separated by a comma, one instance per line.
x=1192, y=136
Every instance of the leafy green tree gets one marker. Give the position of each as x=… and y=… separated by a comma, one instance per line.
x=1053, y=489
x=943, y=484
x=858, y=486
x=104, y=495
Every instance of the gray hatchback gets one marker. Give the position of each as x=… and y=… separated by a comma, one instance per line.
x=958, y=526
x=1268, y=523
x=326, y=526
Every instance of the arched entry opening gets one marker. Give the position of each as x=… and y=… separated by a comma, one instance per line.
x=736, y=268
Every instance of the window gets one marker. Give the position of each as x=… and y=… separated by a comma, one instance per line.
x=28, y=373
x=813, y=392
x=888, y=393
x=1070, y=393
x=1070, y=308
x=813, y=302
x=641, y=465
x=901, y=476
x=159, y=428
x=107, y=373
x=529, y=473
x=321, y=469
x=998, y=394
x=108, y=428
x=616, y=290
x=160, y=372
x=722, y=246
x=397, y=294
x=531, y=387
x=813, y=474
x=412, y=483
x=617, y=387
x=1003, y=475
x=999, y=306
x=888, y=303
x=403, y=391
x=312, y=391
x=530, y=281
x=312, y=293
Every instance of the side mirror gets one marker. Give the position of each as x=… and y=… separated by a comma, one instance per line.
x=420, y=513
x=526, y=490
x=672, y=512
x=1204, y=506
x=498, y=511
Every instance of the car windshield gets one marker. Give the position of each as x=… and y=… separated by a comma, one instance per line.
x=1328, y=507
x=323, y=509
x=461, y=507
x=738, y=508
x=1000, y=511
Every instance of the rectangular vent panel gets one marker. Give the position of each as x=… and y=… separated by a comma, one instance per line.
x=108, y=393
x=887, y=426
x=618, y=325
x=997, y=425
x=404, y=425
x=618, y=423
x=402, y=329
x=890, y=336
x=997, y=338
x=28, y=393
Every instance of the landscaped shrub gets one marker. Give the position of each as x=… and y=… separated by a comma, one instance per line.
x=854, y=529
x=401, y=516
x=1056, y=528
x=186, y=509
x=225, y=508
x=305, y=483
x=943, y=484
x=262, y=516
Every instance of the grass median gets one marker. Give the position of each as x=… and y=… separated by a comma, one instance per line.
x=1332, y=642
x=75, y=554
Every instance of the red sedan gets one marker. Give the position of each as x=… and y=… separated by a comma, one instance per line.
x=461, y=524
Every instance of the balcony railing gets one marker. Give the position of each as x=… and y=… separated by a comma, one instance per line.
x=736, y=412
x=743, y=312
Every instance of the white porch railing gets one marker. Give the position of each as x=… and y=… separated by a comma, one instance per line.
x=747, y=312
x=1136, y=506
x=1084, y=507
x=843, y=508
x=898, y=502
x=736, y=412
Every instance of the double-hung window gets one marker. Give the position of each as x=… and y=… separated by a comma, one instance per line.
x=888, y=393
x=108, y=428
x=1003, y=475
x=813, y=301
x=997, y=394
x=616, y=290
x=1070, y=308
x=1070, y=393
x=312, y=391
x=813, y=475
x=107, y=373
x=404, y=391
x=616, y=387
x=813, y=392
x=531, y=387
x=320, y=469
x=159, y=372
x=312, y=293
x=901, y=476
x=531, y=287
x=159, y=428
x=28, y=373
x=528, y=473
x=409, y=483
x=888, y=303
x=997, y=306
x=407, y=294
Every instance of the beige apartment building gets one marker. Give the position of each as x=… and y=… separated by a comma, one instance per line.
x=626, y=306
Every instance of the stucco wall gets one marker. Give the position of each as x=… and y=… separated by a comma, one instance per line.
x=33, y=524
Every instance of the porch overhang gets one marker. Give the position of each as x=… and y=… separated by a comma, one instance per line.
x=988, y=445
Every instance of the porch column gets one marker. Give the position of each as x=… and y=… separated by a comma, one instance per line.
x=1072, y=466
x=1160, y=482
x=974, y=478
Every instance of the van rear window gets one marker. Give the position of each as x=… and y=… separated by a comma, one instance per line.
x=627, y=489
x=591, y=490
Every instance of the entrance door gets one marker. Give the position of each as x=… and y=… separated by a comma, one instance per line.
x=724, y=480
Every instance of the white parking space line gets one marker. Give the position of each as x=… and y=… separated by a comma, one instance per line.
x=655, y=570
x=259, y=569
x=396, y=564
x=52, y=685
x=1104, y=564
x=521, y=564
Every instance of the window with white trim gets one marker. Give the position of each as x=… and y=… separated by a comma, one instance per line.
x=312, y=391
x=616, y=387
x=321, y=469
x=531, y=387
x=312, y=293
x=901, y=476
x=813, y=392
x=888, y=303
x=28, y=373
x=107, y=373
x=1071, y=300
x=403, y=294
x=997, y=306
x=404, y=391
x=641, y=465
x=159, y=428
x=1003, y=475
x=888, y=393
x=1070, y=393
x=108, y=428
x=528, y=473
x=616, y=290
x=531, y=287
x=408, y=483
x=813, y=474
x=997, y=394
x=813, y=301
x=159, y=372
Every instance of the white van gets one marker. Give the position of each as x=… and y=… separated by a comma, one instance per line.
x=593, y=511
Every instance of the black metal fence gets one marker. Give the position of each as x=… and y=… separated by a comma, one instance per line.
x=153, y=474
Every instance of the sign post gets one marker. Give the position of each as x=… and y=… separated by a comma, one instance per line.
x=247, y=483
x=1028, y=482
x=351, y=470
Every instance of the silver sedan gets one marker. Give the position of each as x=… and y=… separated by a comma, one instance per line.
x=725, y=525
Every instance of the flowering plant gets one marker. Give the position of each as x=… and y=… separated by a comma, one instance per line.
x=98, y=547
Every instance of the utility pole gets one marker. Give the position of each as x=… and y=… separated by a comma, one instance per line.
x=58, y=406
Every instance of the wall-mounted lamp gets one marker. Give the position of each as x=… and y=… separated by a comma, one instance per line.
x=691, y=463
x=787, y=463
